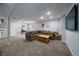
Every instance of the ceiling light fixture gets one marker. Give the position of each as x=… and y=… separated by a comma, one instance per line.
x=48, y=13
x=41, y=17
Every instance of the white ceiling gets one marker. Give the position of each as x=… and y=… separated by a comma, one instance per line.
x=33, y=11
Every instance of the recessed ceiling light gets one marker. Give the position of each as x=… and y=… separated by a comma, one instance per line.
x=51, y=17
x=41, y=17
x=48, y=13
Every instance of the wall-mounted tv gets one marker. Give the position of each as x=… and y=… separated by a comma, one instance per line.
x=71, y=20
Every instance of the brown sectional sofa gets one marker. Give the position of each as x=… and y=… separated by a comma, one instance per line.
x=45, y=35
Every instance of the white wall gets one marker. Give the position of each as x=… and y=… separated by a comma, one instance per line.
x=15, y=26
x=53, y=25
x=35, y=26
x=72, y=39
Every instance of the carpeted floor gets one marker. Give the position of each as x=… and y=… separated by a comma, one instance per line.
x=21, y=47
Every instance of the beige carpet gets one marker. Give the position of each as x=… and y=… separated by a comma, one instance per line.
x=21, y=47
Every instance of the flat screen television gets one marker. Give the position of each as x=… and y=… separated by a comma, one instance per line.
x=71, y=20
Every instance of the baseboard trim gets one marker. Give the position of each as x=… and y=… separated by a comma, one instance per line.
x=70, y=49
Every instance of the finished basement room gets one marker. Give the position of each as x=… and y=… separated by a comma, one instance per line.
x=39, y=29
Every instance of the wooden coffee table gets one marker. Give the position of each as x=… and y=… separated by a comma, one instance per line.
x=43, y=37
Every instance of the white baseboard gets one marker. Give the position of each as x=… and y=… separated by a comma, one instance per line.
x=70, y=49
